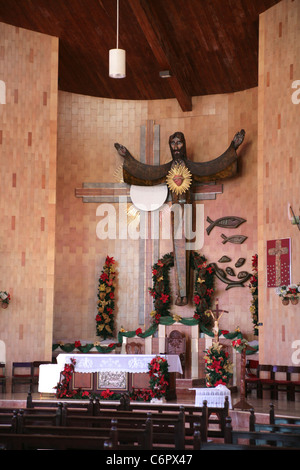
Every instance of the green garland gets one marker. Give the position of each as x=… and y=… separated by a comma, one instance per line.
x=106, y=302
x=203, y=288
x=160, y=291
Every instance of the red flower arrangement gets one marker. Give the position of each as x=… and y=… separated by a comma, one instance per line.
x=217, y=367
x=63, y=386
x=159, y=377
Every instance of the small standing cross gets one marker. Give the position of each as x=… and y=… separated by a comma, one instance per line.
x=217, y=314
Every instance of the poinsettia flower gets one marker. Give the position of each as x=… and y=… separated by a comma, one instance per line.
x=138, y=331
x=197, y=299
x=109, y=260
x=77, y=344
x=154, y=272
x=104, y=277
x=164, y=298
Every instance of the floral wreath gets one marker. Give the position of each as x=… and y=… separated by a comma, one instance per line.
x=203, y=288
x=106, y=303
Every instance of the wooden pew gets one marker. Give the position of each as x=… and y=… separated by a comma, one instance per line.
x=281, y=419
x=193, y=414
x=14, y=441
x=261, y=438
x=125, y=438
x=168, y=429
x=282, y=425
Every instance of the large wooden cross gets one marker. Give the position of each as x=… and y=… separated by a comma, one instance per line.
x=112, y=192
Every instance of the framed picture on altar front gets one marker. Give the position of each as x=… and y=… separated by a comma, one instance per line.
x=84, y=381
x=112, y=380
x=279, y=262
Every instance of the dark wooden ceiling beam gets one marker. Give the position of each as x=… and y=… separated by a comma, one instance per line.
x=162, y=54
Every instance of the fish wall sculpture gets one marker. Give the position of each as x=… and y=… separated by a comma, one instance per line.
x=238, y=239
x=243, y=276
x=224, y=222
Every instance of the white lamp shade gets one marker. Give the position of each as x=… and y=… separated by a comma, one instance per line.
x=117, y=63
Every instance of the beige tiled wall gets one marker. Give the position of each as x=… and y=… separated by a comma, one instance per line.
x=28, y=129
x=88, y=128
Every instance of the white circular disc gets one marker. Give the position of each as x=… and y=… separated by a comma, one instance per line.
x=148, y=198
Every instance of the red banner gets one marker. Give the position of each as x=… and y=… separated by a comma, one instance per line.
x=279, y=262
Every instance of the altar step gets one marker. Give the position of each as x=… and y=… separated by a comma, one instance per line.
x=183, y=386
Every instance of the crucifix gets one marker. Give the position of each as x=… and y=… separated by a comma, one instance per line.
x=280, y=274
x=184, y=179
x=179, y=174
x=216, y=314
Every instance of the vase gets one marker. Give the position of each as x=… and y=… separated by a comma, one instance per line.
x=4, y=305
x=285, y=301
x=294, y=301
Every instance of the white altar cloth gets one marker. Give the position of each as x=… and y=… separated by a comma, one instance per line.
x=215, y=396
x=134, y=363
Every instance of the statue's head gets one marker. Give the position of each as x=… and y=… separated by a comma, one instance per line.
x=177, y=146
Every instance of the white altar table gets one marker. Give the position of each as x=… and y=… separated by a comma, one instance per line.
x=49, y=374
x=215, y=396
x=135, y=364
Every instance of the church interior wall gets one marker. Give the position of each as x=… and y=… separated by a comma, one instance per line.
x=51, y=255
x=278, y=175
x=28, y=141
x=88, y=129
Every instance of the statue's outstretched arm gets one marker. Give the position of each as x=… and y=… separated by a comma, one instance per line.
x=135, y=172
x=221, y=167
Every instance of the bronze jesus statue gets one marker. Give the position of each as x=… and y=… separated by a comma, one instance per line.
x=179, y=175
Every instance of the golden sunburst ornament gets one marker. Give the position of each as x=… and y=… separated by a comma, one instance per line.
x=179, y=179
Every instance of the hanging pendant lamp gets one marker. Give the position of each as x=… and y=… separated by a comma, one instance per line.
x=117, y=57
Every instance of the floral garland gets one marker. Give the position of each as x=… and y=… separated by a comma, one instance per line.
x=217, y=367
x=160, y=291
x=63, y=386
x=159, y=377
x=240, y=344
x=106, y=304
x=254, y=291
x=203, y=289
x=85, y=348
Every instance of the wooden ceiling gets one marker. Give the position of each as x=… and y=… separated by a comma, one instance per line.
x=209, y=46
